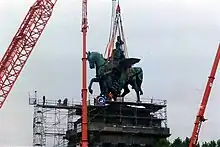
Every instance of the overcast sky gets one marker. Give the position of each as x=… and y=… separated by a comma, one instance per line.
x=176, y=40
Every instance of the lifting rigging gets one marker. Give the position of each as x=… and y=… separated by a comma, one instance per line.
x=200, y=116
x=119, y=53
x=116, y=25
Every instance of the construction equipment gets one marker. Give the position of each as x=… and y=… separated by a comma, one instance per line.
x=84, y=75
x=116, y=25
x=23, y=44
x=200, y=116
x=29, y=33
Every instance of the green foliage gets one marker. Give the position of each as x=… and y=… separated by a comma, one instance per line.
x=163, y=143
x=178, y=142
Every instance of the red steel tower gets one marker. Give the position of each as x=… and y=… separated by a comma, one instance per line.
x=22, y=45
x=84, y=75
x=200, y=117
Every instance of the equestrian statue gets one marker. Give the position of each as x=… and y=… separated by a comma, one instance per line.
x=115, y=74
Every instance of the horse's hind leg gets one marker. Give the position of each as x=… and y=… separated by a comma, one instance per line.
x=137, y=92
x=126, y=91
x=141, y=92
x=139, y=81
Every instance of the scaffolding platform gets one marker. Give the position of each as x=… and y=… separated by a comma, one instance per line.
x=122, y=124
x=57, y=123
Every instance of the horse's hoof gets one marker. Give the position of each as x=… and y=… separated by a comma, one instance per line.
x=141, y=93
x=138, y=101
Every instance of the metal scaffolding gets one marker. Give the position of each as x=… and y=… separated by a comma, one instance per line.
x=51, y=120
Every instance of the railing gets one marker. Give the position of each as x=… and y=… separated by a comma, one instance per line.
x=33, y=100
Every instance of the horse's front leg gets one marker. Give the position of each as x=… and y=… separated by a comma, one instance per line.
x=90, y=84
x=126, y=91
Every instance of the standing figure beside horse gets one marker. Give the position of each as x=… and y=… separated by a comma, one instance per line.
x=109, y=76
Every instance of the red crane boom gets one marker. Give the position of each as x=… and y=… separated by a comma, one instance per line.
x=200, y=117
x=84, y=142
x=22, y=45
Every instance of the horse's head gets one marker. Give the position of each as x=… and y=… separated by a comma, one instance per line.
x=90, y=60
x=94, y=59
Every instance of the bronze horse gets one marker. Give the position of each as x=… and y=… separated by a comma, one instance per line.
x=107, y=78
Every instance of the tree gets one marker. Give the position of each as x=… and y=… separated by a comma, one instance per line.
x=218, y=143
x=185, y=143
x=205, y=144
x=177, y=143
x=163, y=143
x=212, y=144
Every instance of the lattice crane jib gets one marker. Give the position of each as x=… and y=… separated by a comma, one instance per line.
x=22, y=45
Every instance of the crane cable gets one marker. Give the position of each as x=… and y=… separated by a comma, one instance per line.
x=116, y=23
x=115, y=27
x=112, y=17
x=123, y=38
x=115, y=20
x=111, y=25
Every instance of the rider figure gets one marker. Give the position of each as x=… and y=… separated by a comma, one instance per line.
x=119, y=43
x=117, y=56
x=119, y=51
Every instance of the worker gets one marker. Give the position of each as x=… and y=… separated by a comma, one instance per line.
x=110, y=95
x=59, y=102
x=65, y=102
x=44, y=100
